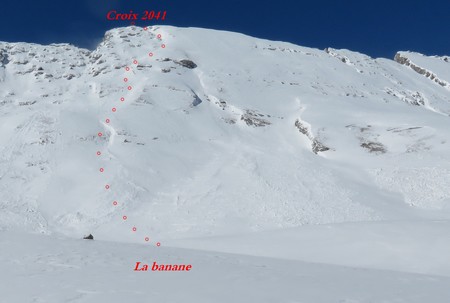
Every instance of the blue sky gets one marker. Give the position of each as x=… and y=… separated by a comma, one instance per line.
x=377, y=28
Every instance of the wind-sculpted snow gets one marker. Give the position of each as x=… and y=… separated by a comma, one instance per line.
x=210, y=139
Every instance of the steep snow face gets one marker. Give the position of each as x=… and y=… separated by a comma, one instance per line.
x=220, y=133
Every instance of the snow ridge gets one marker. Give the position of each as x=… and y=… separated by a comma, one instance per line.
x=404, y=60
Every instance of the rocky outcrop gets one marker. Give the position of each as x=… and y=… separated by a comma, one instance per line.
x=430, y=75
x=374, y=147
x=89, y=237
x=186, y=63
x=253, y=118
x=3, y=57
x=316, y=145
x=410, y=97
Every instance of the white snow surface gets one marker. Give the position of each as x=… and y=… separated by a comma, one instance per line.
x=282, y=173
x=53, y=270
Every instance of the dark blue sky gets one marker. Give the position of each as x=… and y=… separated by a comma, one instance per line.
x=377, y=28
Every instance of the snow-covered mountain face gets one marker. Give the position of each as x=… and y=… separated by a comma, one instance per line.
x=220, y=133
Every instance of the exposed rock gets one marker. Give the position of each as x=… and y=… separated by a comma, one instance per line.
x=89, y=237
x=253, y=118
x=27, y=103
x=316, y=145
x=3, y=57
x=197, y=100
x=374, y=147
x=69, y=77
x=141, y=67
x=302, y=128
x=222, y=104
x=405, y=61
x=229, y=120
x=413, y=98
x=186, y=63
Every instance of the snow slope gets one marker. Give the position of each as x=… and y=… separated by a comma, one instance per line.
x=291, y=174
x=260, y=135
x=403, y=246
x=60, y=270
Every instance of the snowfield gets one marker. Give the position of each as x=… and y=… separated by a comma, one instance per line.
x=53, y=270
x=281, y=173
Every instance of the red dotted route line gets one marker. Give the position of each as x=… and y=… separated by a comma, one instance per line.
x=108, y=121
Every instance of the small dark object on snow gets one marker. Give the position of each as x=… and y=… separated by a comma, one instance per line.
x=90, y=237
x=187, y=63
